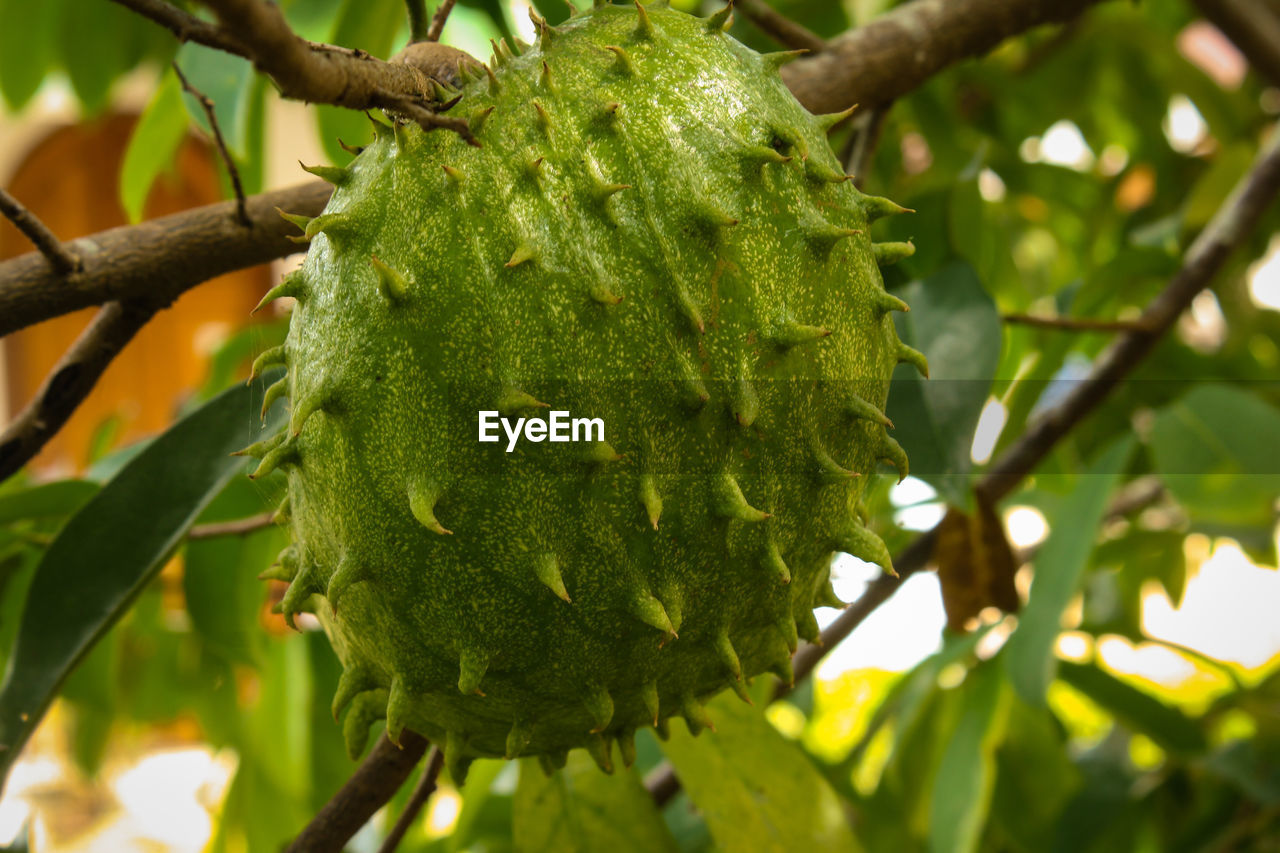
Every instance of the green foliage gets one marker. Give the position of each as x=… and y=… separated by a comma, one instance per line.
x=153, y=144
x=577, y=810
x=755, y=789
x=1059, y=565
x=979, y=747
x=954, y=323
x=147, y=507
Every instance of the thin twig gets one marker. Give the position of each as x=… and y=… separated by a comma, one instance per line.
x=419, y=23
x=425, y=788
x=62, y=261
x=375, y=782
x=70, y=381
x=1079, y=324
x=1233, y=222
x=239, y=527
x=863, y=142
x=781, y=28
x=206, y=103
x=439, y=19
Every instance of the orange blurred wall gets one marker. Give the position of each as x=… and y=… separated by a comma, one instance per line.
x=70, y=181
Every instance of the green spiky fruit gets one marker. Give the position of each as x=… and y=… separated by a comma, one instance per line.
x=652, y=232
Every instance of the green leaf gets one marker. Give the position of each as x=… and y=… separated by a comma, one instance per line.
x=476, y=795
x=757, y=790
x=965, y=779
x=1215, y=450
x=27, y=44
x=370, y=25
x=578, y=809
x=954, y=322
x=1058, y=568
x=220, y=574
x=153, y=145
x=48, y=500
x=97, y=43
x=110, y=549
x=1035, y=777
x=1140, y=711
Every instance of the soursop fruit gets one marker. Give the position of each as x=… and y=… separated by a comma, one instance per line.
x=649, y=230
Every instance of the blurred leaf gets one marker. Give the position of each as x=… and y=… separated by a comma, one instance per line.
x=1058, y=567
x=220, y=575
x=153, y=145
x=96, y=41
x=312, y=19
x=369, y=25
x=1035, y=776
x=579, y=808
x=1215, y=449
x=27, y=45
x=966, y=777
x=756, y=789
x=17, y=568
x=476, y=794
x=1140, y=711
x=59, y=498
x=90, y=691
x=975, y=564
x=110, y=549
x=1252, y=765
x=954, y=322
x=1211, y=190
x=327, y=761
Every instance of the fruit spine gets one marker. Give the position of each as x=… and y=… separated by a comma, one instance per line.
x=653, y=231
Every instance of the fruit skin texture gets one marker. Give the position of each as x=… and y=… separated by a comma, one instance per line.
x=654, y=233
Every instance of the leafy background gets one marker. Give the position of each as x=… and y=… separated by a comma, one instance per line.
x=1064, y=174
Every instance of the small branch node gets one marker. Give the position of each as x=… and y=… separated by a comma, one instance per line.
x=62, y=260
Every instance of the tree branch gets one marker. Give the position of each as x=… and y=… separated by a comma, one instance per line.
x=242, y=215
x=171, y=255
x=425, y=788
x=62, y=261
x=779, y=27
x=895, y=53
x=157, y=260
x=357, y=82
x=375, y=782
x=71, y=380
